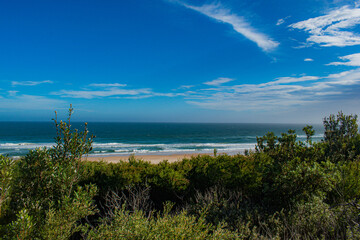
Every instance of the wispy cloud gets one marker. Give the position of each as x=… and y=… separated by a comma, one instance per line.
x=183, y=87
x=219, y=81
x=107, y=85
x=239, y=24
x=30, y=102
x=308, y=60
x=89, y=94
x=283, y=80
x=29, y=83
x=186, y=86
x=281, y=21
x=346, y=78
x=281, y=94
x=152, y=94
x=329, y=30
x=111, y=90
x=349, y=60
x=12, y=93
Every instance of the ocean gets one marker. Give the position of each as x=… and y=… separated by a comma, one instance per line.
x=112, y=139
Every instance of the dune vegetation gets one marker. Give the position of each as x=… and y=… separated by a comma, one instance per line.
x=284, y=189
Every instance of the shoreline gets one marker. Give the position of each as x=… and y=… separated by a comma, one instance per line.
x=154, y=159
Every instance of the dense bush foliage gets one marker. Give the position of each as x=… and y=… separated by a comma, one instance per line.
x=285, y=189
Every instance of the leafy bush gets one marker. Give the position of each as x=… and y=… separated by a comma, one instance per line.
x=285, y=189
x=45, y=199
x=6, y=177
x=126, y=225
x=341, y=138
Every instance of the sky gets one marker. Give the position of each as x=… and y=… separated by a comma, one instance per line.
x=254, y=61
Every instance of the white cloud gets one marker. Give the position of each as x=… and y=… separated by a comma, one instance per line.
x=327, y=93
x=328, y=30
x=349, y=60
x=114, y=92
x=281, y=94
x=107, y=85
x=280, y=21
x=155, y=94
x=185, y=86
x=308, y=60
x=12, y=93
x=346, y=78
x=219, y=81
x=339, y=75
x=283, y=80
x=30, y=102
x=89, y=94
x=239, y=24
x=29, y=83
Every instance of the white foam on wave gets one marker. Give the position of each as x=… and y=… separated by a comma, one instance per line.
x=169, y=145
x=116, y=148
x=24, y=145
x=174, y=148
x=168, y=152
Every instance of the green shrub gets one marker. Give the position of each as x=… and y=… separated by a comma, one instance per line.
x=126, y=225
x=6, y=177
x=44, y=197
x=348, y=187
x=286, y=189
x=62, y=223
x=341, y=137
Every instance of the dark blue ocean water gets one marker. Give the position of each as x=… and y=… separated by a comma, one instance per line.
x=17, y=138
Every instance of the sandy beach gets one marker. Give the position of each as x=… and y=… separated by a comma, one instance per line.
x=155, y=159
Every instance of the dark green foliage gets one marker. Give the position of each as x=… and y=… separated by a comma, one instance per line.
x=348, y=186
x=45, y=176
x=218, y=205
x=45, y=201
x=309, y=131
x=262, y=193
x=6, y=177
x=341, y=138
x=286, y=189
x=126, y=225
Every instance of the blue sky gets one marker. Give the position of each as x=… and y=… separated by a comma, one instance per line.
x=180, y=61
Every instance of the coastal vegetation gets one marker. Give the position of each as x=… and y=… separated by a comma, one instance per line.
x=284, y=189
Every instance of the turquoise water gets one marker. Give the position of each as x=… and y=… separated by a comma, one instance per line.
x=17, y=138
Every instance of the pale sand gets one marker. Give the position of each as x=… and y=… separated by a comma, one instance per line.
x=154, y=159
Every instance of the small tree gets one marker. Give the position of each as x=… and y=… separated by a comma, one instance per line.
x=340, y=128
x=6, y=175
x=44, y=185
x=71, y=146
x=341, y=136
x=309, y=131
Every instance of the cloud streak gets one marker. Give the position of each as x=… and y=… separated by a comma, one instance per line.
x=348, y=60
x=218, y=81
x=239, y=24
x=281, y=94
x=111, y=90
x=281, y=21
x=30, y=102
x=89, y=94
x=107, y=85
x=329, y=30
x=29, y=83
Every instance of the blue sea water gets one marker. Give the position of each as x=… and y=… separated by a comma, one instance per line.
x=17, y=138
